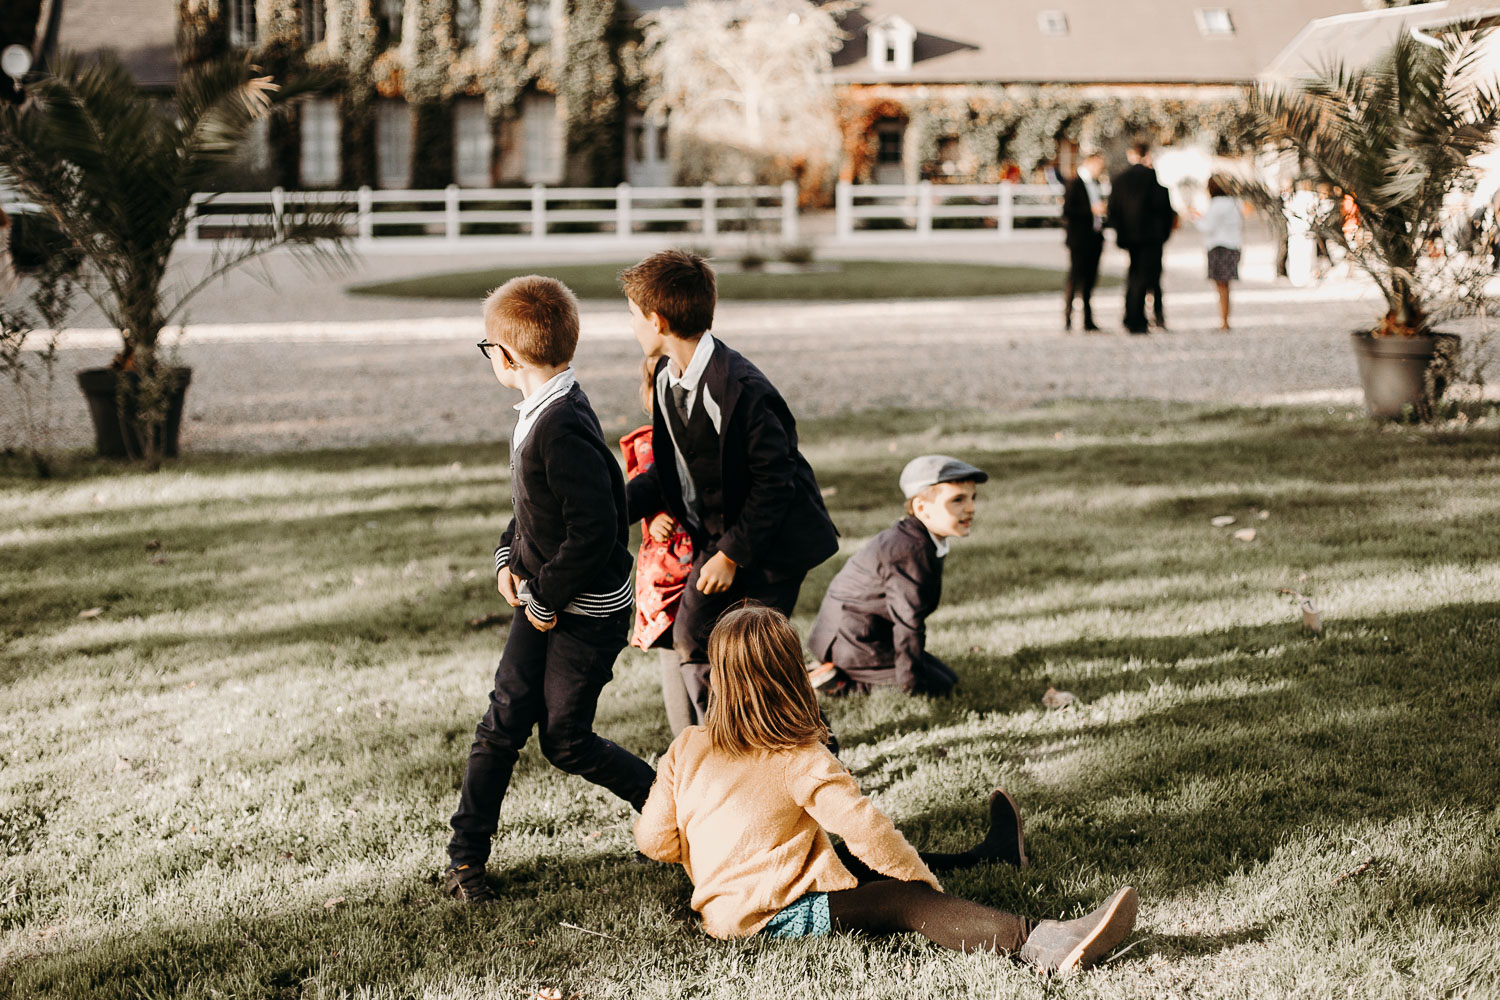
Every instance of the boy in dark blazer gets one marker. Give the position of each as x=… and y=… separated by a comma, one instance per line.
x=564, y=563
x=872, y=626
x=732, y=475
x=1083, y=218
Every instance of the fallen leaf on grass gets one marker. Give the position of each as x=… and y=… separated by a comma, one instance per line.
x=159, y=559
x=495, y=618
x=1059, y=699
x=1223, y=520
x=1245, y=535
x=332, y=902
x=153, y=545
x=91, y=613
x=1264, y=515
x=1356, y=871
x=829, y=491
x=1311, y=620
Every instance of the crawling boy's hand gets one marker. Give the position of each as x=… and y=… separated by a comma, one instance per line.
x=507, y=585
x=717, y=574
x=662, y=526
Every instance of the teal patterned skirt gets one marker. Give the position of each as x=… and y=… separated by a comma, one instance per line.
x=807, y=917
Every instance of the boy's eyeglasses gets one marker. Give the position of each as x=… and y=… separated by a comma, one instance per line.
x=484, y=348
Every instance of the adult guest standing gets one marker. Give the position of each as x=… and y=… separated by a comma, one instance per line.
x=1223, y=229
x=1083, y=216
x=1140, y=212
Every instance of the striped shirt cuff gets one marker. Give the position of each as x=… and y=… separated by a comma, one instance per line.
x=502, y=557
x=540, y=611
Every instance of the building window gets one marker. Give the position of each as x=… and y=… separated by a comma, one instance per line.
x=466, y=15
x=889, y=137
x=890, y=45
x=391, y=13
x=314, y=21
x=472, y=143
x=320, y=144
x=243, y=31
x=539, y=21
x=1052, y=22
x=543, y=139
x=393, y=144
x=1215, y=21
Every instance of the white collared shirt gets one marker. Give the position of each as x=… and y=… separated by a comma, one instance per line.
x=532, y=406
x=690, y=379
x=941, y=544
x=1096, y=198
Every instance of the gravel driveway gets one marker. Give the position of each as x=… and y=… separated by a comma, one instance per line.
x=305, y=366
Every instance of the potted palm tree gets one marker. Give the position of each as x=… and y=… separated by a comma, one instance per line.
x=1398, y=137
x=116, y=170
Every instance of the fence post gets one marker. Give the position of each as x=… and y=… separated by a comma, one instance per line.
x=364, y=220
x=622, y=211
x=789, y=211
x=924, y=209
x=450, y=212
x=1005, y=207
x=843, y=210
x=710, y=210
x=190, y=235
x=278, y=208
x=538, y=212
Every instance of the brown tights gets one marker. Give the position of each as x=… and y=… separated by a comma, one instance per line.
x=891, y=907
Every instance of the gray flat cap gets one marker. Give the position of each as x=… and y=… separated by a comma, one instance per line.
x=928, y=470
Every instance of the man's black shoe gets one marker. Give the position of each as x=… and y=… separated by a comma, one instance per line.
x=1005, y=841
x=467, y=885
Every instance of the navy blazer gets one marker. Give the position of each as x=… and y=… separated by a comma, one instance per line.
x=774, y=516
x=569, y=538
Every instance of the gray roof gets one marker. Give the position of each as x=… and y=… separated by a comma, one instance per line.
x=1358, y=39
x=1107, y=41
x=141, y=32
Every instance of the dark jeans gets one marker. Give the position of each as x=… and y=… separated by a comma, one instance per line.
x=1083, y=273
x=1143, y=276
x=698, y=613
x=550, y=680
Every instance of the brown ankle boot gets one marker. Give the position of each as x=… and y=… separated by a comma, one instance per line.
x=1063, y=945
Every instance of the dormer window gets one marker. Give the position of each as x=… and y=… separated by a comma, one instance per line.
x=1053, y=23
x=1215, y=22
x=890, y=45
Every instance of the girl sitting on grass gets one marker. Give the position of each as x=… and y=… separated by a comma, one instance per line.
x=743, y=803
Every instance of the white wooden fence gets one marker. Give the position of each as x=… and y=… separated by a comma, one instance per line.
x=471, y=215
x=944, y=211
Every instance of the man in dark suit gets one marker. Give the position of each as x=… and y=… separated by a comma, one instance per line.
x=1140, y=212
x=1083, y=219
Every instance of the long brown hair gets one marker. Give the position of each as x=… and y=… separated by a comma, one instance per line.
x=759, y=697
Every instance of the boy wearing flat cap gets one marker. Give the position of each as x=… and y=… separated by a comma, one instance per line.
x=872, y=626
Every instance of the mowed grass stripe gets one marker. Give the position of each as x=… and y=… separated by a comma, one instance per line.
x=235, y=781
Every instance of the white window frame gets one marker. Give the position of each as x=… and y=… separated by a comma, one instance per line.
x=541, y=135
x=890, y=42
x=1214, y=22
x=473, y=143
x=541, y=21
x=393, y=143
x=1052, y=23
x=467, y=35
x=244, y=26
x=318, y=161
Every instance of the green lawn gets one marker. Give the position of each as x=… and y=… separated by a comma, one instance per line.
x=235, y=779
x=850, y=279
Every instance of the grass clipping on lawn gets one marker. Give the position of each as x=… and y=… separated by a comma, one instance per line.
x=234, y=777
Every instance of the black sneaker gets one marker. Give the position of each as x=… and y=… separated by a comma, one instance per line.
x=467, y=885
x=1004, y=842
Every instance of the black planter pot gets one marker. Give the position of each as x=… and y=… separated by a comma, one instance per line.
x=115, y=430
x=1404, y=376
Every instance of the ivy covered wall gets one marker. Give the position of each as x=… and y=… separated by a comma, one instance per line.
x=989, y=127
x=430, y=66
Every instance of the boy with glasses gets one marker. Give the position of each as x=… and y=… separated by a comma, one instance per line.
x=564, y=563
